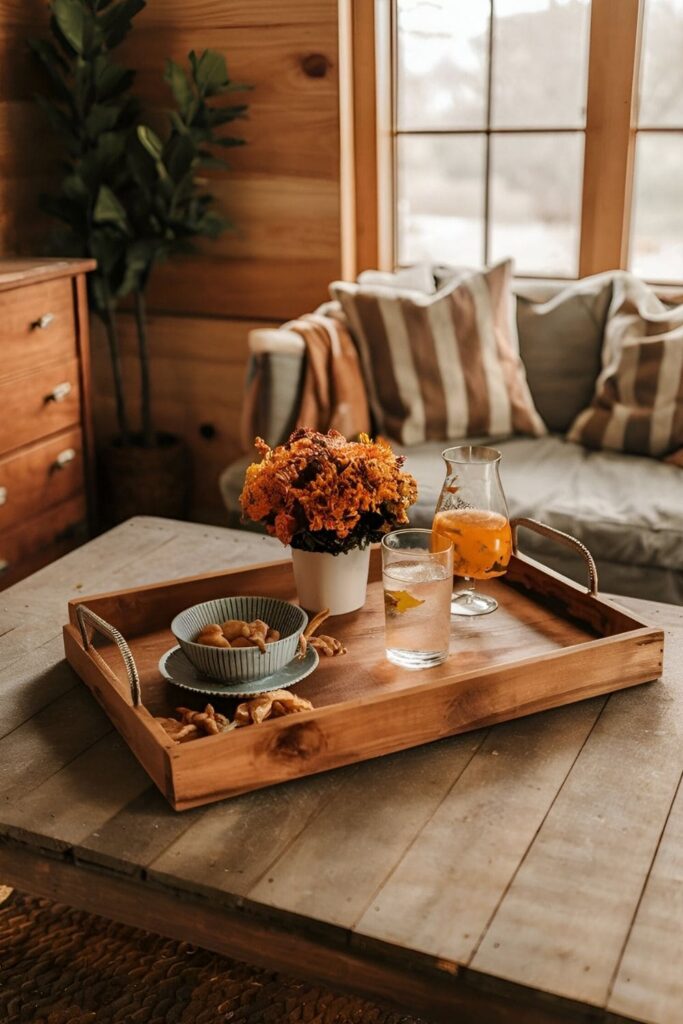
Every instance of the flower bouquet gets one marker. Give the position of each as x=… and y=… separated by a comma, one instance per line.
x=329, y=498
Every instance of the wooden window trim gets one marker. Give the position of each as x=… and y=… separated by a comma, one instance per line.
x=614, y=55
x=610, y=133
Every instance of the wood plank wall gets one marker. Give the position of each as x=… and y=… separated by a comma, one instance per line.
x=282, y=192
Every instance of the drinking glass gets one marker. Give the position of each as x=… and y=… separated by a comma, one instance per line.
x=472, y=513
x=417, y=575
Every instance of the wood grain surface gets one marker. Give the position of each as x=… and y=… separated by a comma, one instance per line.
x=528, y=657
x=282, y=189
x=281, y=192
x=529, y=872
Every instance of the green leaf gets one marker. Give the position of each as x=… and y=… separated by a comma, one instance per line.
x=223, y=115
x=151, y=142
x=116, y=22
x=110, y=79
x=108, y=210
x=211, y=73
x=100, y=119
x=49, y=56
x=75, y=189
x=211, y=162
x=73, y=19
x=139, y=260
x=179, y=156
x=180, y=87
x=177, y=122
x=111, y=146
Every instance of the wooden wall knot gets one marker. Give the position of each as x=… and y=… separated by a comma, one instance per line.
x=301, y=741
x=315, y=65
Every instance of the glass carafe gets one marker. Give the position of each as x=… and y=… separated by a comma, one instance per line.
x=473, y=513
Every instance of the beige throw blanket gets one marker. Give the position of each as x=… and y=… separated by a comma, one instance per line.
x=333, y=394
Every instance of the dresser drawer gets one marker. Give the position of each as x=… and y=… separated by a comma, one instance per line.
x=51, y=533
x=38, y=404
x=41, y=475
x=37, y=325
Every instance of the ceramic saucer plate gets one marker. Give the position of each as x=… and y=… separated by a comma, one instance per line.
x=175, y=667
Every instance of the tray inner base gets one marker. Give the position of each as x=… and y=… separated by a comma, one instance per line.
x=521, y=627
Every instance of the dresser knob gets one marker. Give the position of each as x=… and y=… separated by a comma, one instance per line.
x=43, y=321
x=3, y=495
x=4, y=565
x=64, y=458
x=59, y=393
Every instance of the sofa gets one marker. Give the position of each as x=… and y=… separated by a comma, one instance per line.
x=627, y=509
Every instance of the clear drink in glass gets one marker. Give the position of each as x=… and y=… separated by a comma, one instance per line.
x=417, y=575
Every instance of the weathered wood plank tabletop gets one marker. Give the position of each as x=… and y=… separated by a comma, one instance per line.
x=528, y=872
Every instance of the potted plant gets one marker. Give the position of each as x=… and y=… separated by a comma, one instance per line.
x=130, y=199
x=330, y=499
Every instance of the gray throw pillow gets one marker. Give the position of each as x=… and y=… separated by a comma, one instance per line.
x=560, y=342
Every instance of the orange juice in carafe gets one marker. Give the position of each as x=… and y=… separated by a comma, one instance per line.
x=482, y=541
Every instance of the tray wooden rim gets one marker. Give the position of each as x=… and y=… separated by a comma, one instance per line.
x=166, y=759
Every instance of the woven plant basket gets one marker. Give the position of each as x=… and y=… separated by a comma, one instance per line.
x=146, y=481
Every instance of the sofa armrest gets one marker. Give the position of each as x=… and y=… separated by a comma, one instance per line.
x=277, y=356
x=275, y=341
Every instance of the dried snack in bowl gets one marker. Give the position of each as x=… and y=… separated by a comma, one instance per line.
x=270, y=705
x=212, y=636
x=237, y=633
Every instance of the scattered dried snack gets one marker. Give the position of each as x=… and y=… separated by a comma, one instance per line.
x=327, y=645
x=192, y=725
x=179, y=731
x=237, y=633
x=209, y=721
x=270, y=705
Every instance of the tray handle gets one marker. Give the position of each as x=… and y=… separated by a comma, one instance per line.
x=87, y=617
x=562, y=538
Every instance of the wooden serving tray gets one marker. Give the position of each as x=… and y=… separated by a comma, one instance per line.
x=551, y=642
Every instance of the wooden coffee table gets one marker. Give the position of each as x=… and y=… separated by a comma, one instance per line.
x=531, y=872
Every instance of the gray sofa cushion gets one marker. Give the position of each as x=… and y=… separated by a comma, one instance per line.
x=560, y=342
x=626, y=509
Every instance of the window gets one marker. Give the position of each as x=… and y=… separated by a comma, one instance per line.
x=490, y=116
x=657, y=220
x=546, y=130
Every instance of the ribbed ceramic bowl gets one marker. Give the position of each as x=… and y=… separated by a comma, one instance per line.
x=241, y=663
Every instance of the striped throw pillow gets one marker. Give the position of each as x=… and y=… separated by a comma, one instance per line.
x=638, y=401
x=442, y=366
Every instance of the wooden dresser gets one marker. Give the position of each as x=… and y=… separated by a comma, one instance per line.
x=45, y=423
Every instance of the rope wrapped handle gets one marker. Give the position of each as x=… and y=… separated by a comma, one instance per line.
x=86, y=618
x=562, y=538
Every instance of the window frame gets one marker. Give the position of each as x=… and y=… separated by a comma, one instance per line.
x=610, y=134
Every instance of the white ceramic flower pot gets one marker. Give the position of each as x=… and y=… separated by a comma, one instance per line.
x=337, y=582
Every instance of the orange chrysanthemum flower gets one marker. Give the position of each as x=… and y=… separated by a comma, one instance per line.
x=321, y=492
